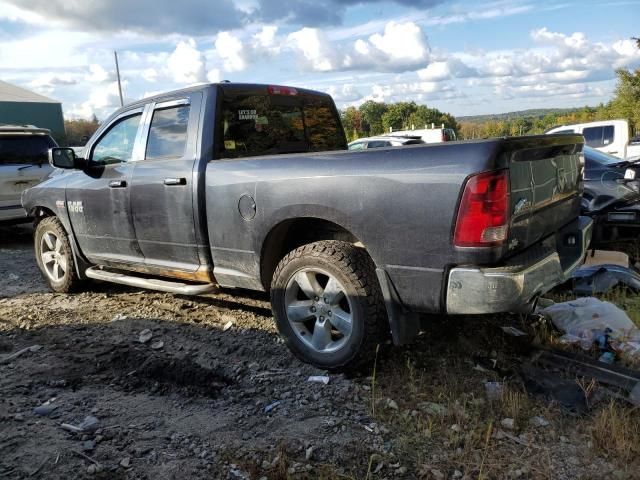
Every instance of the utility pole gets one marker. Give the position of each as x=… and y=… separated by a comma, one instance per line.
x=115, y=55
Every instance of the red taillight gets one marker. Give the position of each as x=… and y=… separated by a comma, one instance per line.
x=278, y=90
x=483, y=216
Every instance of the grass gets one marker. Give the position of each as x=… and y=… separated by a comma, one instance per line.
x=615, y=432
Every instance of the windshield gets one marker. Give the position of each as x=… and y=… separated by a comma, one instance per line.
x=601, y=158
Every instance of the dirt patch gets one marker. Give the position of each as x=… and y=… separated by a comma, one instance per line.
x=210, y=402
x=135, y=370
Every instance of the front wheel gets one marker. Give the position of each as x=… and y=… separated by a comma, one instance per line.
x=54, y=255
x=328, y=305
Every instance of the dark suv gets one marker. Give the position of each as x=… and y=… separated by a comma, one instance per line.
x=23, y=164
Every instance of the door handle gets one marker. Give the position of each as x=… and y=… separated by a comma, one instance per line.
x=175, y=181
x=117, y=184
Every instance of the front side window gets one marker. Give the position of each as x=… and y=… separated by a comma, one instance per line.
x=262, y=124
x=356, y=146
x=168, y=133
x=116, y=146
x=24, y=149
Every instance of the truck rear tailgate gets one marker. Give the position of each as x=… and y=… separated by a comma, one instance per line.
x=546, y=186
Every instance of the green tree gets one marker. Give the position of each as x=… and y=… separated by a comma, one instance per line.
x=626, y=100
x=371, y=114
x=352, y=123
x=397, y=116
x=78, y=131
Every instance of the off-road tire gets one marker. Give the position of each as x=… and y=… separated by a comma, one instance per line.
x=353, y=267
x=69, y=281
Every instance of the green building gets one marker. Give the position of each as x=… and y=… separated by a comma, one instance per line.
x=19, y=106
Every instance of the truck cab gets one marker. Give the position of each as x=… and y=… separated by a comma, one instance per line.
x=608, y=136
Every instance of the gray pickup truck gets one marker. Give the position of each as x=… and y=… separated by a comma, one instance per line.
x=252, y=187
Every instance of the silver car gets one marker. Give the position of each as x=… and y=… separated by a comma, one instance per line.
x=384, y=141
x=23, y=164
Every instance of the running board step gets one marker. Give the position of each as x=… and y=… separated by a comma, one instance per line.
x=150, y=283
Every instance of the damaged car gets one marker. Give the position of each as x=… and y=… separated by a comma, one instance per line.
x=612, y=199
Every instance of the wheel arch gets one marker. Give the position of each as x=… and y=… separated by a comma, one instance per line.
x=292, y=233
x=40, y=212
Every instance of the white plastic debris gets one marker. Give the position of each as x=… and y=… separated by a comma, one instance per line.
x=584, y=319
x=227, y=326
x=319, y=379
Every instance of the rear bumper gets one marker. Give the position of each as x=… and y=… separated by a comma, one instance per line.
x=515, y=286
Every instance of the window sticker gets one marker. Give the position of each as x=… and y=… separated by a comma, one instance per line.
x=247, y=115
x=230, y=144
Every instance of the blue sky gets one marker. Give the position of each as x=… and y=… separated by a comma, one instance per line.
x=463, y=57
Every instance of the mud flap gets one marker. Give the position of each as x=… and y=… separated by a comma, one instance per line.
x=405, y=325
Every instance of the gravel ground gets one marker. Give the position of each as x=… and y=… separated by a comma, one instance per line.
x=202, y=387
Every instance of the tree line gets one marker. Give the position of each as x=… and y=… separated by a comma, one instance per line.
x=375, y=118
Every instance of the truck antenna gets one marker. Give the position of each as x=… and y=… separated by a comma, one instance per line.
x=115, y=55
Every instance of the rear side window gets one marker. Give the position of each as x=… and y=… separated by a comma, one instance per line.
x=24, y=149
x=598, y=136
x=168, y=132
x=265, y=124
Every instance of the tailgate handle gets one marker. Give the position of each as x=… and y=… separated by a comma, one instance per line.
x=175, y=181
x=117, y=184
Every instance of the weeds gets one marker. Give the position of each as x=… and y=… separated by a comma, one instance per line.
x=616, y=432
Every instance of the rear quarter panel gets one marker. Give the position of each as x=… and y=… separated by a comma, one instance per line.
x=399, y=202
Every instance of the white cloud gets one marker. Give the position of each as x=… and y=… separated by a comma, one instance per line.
x=402, y=41
x=47, y=82
x=187, y=65
x=313, y=44
x=214, y=75
x=98, y=74
x=150, y=75
x=231, y=50
x=266, y=40
x=401, y=47
x=347, y=93
x=102, y=101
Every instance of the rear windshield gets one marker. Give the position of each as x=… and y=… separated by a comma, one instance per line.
x=24, y=149
x=264, y=124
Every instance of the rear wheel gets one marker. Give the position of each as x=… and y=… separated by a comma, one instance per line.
x=54, y=255
x=328, y=305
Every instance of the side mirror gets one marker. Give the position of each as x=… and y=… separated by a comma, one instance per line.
x=64, y=157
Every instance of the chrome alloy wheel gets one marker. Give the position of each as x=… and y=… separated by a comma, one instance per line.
x=318, y=309
x=53, y=260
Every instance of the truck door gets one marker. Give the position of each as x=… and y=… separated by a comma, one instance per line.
x=98, y=198
x=164, y=188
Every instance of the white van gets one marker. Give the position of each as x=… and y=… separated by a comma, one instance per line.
x=609, y=136
x=427, y=135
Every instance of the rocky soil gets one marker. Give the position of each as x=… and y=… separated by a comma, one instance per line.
x=124, y=383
